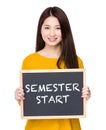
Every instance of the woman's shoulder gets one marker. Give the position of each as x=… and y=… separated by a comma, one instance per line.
x=30, y=56
x=80, y=62
x=30, y=60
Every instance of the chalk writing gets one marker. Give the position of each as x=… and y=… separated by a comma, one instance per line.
x=57, y=99
x=49, y=88
x=52, y=87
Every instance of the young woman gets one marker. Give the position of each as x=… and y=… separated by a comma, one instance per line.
x=55, y=49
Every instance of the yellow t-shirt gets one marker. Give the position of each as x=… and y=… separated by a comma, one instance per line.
x=37, y=61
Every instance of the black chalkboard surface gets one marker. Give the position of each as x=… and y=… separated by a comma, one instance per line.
x=53, y=93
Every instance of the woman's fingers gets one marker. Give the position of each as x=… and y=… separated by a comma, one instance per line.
x=19, y=94
x=86, y=93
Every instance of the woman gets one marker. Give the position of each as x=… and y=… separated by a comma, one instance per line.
x=55, y=49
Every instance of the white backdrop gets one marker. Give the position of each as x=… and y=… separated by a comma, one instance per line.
x=18, y=22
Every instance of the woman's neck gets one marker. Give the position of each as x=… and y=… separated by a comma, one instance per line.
x=51, y=52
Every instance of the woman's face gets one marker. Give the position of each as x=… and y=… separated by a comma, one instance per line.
x=51, y=31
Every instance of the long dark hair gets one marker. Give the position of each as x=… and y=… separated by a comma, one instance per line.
x=68, y=53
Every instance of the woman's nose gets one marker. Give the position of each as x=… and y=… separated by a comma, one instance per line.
x=52, y=32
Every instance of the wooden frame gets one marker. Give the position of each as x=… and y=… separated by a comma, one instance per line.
x=28, y=90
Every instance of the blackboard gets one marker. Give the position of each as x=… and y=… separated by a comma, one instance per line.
x=53, y=93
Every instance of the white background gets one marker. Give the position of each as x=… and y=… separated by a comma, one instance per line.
x=18, y=24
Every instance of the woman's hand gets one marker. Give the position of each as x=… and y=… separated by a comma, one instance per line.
x=19, y=94
x=86, y=93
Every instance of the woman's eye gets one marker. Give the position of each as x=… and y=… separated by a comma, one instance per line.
x=46, y=27
x=58, y=28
